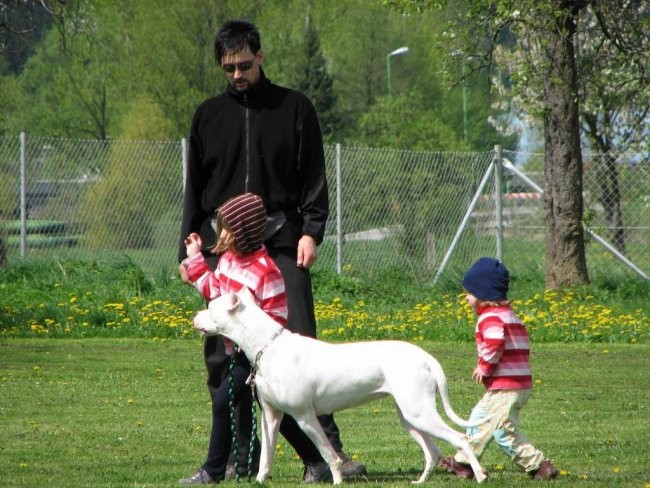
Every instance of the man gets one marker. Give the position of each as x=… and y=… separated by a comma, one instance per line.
x=262, y=138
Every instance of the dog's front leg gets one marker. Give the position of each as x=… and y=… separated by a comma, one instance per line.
x=271, y=418
x=311, y=426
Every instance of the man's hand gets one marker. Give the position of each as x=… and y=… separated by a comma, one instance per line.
x=193, y=244
x=306, y=252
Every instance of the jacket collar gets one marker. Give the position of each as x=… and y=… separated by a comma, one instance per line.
x=254, y=92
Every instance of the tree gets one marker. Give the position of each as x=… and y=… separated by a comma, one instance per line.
x=612, y=54
x=613, y=60
x=313, y=79
x=542, y=34
x=22, y=23
x=72, y=86
x=401, y=122
x=565, y=249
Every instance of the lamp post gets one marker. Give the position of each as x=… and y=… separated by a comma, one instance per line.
x=464, y=104
x=397, y=52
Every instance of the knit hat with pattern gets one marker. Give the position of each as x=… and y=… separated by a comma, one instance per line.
x=487, y=279
x=246, y=216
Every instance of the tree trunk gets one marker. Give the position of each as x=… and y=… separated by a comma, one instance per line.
x=565, y=249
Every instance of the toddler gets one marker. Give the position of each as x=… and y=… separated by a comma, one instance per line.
x=504, y=369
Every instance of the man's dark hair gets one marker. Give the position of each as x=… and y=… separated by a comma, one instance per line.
x=235, y=36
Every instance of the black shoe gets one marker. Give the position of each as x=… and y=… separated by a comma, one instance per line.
x=201, y=477
x=317, y=473
x=230, y=472
x=351, y=468
x=243, y=472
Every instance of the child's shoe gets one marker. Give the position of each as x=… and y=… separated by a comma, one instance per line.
x=461, y=470
x=545, y=472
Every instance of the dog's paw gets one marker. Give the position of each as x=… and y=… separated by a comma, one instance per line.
x=481, y=476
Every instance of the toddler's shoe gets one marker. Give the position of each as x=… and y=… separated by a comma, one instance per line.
x=461, y=470
x=545, y=472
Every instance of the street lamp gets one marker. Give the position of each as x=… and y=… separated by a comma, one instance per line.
x=397, y=52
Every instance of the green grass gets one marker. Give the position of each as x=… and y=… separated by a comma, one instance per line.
x=135, y=413
x=115, y=298
x=102, y=380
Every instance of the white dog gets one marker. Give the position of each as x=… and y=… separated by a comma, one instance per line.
x=306, y=377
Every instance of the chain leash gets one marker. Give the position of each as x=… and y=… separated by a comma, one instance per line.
x=231, y=411
x=251, y=446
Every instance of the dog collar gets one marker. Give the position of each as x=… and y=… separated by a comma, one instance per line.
x=258, y=356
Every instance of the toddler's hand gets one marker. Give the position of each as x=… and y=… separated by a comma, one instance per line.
x=193, y=244
x=477, y=376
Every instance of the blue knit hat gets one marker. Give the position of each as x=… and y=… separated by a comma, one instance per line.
x=487, y=279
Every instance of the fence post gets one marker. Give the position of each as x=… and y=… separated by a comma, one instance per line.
x=339, y=225
x=498, y=178
x=463, y=224
x=184, y=160
x=23, y=194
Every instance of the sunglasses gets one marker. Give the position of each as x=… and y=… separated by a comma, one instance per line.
x=231, y=68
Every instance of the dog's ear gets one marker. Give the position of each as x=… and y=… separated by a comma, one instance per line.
x=245, y=295
x=233, y=302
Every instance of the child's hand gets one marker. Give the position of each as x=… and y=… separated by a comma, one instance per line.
x=477, y=375
x=185, y=276
x=193, y=244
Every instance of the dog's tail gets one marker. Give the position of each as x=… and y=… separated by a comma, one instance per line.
x=444, y=395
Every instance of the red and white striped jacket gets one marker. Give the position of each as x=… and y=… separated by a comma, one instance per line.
x=503, y=349
x=256, y=271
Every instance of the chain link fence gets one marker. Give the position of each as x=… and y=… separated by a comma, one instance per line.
x=425, y=214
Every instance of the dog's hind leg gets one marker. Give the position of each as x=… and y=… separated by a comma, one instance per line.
x=310, y=425
x=430, y=450
x=271, y=419
x=459, y=441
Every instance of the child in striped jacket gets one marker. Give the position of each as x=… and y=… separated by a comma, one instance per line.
x=503, y=367
x=244, y=261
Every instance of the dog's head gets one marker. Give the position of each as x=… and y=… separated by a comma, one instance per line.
x=221, y=315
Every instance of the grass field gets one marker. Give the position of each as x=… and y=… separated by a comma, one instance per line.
x=112, y=412
x=102, y=381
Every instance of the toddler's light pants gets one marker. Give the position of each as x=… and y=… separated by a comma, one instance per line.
x=505, y=407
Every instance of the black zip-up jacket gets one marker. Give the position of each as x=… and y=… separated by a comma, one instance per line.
x=265, y=141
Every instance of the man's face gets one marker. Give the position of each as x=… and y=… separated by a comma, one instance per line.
x=242, y=68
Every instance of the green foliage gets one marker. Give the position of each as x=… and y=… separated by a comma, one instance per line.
x=8, y=94
x=313, y=80
x=99, y=56
x=403, y=122
x=115, y=299
x=102, y=298
x=116, y=198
